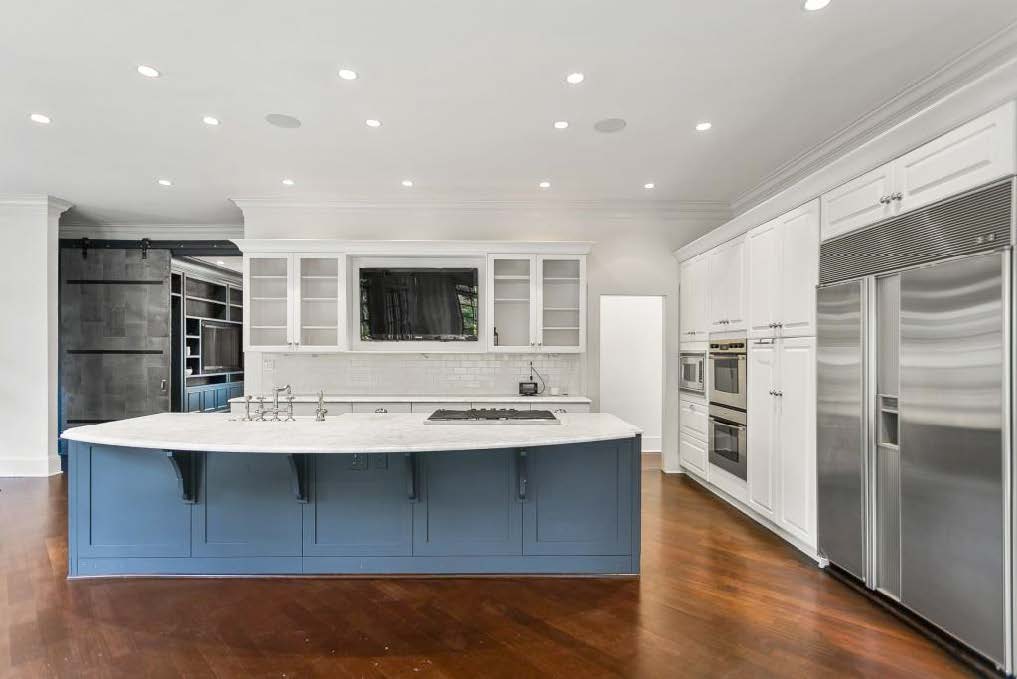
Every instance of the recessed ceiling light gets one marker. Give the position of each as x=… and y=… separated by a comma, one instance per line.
x=371, y=122
x=221, y=263
x=649, y=185
x=165, y=182
x=703, y=127
x=813, y=5
x=40, y=118
x=210, y=120
x=288, y=182
x=347, y=74
x=561, y=124
x=575, y=78
x=544, y=185
x=148, y=71
x=407, y=183
x=283, y=120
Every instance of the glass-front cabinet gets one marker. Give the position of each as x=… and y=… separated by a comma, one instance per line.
x=537, y=303
x=295, y=302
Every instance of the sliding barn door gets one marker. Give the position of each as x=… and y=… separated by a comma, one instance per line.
x=114, y=335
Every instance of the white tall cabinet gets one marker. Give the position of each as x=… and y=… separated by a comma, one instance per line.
x=693, y=299
x=727, y=291
x=782, y=434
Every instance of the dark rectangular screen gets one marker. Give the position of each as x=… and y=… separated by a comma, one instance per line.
x=418, y=305
x=221, y=348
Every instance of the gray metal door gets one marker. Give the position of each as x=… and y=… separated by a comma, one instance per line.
x=951, y=442
x=841, y=425
x=114, y=335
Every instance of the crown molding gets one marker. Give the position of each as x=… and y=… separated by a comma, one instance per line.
x=153, y=231
x=669, y=208
x=36, y=200
x=396, y=248
x=972, y=64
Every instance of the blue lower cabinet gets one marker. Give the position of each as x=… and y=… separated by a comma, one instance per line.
x=246, y=507
x=579, y=499
x=194, y=401
x=468, y=504
x=360, y=506
x=126, y=502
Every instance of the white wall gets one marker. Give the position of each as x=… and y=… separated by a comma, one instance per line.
x=632, y=362
x=28, y=335
x=632, y=255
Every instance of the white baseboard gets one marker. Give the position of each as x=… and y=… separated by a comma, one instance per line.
x=30, y=466
x=754, y=515
x=653, y=444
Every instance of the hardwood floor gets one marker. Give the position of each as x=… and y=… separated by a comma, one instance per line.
x=719, y=596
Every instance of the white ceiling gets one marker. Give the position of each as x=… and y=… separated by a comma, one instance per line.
x=467, y=92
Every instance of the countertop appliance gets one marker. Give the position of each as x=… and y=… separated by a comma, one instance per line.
x=728, y=438
x=492, y=416
x=913, y=384
x=692, y=372
x=528, y=389
x=729, y=374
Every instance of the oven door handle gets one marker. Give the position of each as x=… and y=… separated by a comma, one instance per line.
x=728, y=423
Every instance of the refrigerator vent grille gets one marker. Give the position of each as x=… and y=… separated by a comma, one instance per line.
x=888, y=520
x=976, y=222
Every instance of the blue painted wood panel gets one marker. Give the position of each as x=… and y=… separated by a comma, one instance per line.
x=468, y=504
x=579, y=499
x=128, y=503
x=359, y=507
x=246, y=507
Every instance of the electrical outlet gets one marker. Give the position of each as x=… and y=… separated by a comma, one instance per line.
x=358, y=462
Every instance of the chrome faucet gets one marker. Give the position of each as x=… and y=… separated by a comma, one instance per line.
x=320, y=411
x=278, y=390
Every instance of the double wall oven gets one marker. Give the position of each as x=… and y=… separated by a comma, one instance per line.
x=728, y=379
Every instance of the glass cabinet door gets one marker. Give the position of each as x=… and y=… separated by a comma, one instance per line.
x=512, y=282
x=267, y=292
x=562, y=317
x=318, y=314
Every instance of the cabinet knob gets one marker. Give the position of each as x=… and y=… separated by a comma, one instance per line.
x=380, y=410
x=884, y=200
x=897, y=196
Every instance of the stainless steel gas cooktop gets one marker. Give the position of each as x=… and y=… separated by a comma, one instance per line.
x=492, y=416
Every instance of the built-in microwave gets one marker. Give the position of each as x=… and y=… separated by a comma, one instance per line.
x=693, y=372
x=729, y=374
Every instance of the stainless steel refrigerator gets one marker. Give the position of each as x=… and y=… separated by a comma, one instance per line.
x=914, y=413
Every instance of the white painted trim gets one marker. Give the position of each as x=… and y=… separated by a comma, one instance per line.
x=153, y=231
x=975, y=62
x=412, y=248
x=29, y=466
x=966, y=103
x=36, y=199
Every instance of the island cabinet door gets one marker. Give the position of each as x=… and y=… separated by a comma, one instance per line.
x=360, y=506
x=468, y=504
x=128, y=503
x=578, y=499
x=246, y=507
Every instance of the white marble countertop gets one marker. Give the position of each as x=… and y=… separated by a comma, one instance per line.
x=349, y=433
x=429, y=398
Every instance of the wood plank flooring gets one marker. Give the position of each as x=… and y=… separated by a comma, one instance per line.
x=719, y=596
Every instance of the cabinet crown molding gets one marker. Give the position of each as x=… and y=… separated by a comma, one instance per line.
x=413, y=247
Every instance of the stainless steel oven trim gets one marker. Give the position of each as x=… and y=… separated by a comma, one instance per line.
x=693, y=388
x=738, y=401
x=735, y=419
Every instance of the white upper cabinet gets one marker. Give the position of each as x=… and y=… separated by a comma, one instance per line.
x=294, y=303
x=964, y=158
x=693, y=299
x=727, y=286
x=762, y=428
x=862, y=201
x=783, y=264
x=971, y=155
x=537, y=303
x=796, y=389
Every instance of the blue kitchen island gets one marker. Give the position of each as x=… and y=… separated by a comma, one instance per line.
x=209, y=494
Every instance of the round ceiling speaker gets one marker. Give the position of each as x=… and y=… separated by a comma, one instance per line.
x=282, y=120
x=608, y=125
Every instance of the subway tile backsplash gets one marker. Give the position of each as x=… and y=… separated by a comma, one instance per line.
x=405, y=374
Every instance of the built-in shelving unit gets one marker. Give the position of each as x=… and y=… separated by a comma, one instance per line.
x=202, y=293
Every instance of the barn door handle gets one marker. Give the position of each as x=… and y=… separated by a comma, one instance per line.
x=162, y=386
